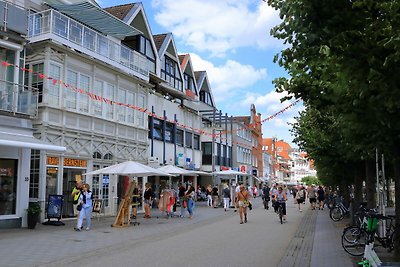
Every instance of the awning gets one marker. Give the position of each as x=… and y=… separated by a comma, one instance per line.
x=258, y=179
x=95, y=17
x=26, y=141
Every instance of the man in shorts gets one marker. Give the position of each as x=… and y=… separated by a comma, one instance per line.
x=312, y=196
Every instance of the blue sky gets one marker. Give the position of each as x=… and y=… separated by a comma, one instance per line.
x=230, y=40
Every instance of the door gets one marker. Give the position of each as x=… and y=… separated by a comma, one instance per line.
x=100, y=187
x=70, y=177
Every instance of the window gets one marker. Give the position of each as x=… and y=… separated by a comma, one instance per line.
x=109, y=95
x=54, y=85
x=170, y=72
x=70, y=93
x=97, y=155
x=121, y=110
x=205, y=97
x=139, y=114
x=84, y=83
x=8, y=172
x=108, y=156
x=206, y=148
x=130, y=99
x=188, y=140
x=157, y=131
x=97, y=105
x=196, y=142
x=145, y=48
x=179, y=137
x=34, y=176
x=169, y=132
x=36, y=81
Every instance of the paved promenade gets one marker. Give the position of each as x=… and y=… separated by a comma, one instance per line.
x=315, y=243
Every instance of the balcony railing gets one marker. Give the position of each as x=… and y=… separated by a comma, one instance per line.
x=17, y=98
x=13, y=17
x=85, y=39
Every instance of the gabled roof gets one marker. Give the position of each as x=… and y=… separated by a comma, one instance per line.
x=159, y=40
x=203, y=84
x=187, y=66
x=120, y=11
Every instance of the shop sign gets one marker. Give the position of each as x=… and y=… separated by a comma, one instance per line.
x=52, y=170
x=242, y=168
x=180, y=159
x=106, y=179
x=224, y=168
x=75, y=162
x=53, y=160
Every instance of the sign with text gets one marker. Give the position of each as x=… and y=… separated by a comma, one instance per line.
x=75, y=162
x=54, y=207
x=53, y=160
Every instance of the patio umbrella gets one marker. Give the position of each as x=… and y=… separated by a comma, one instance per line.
x=131, y=168
x=174, y=170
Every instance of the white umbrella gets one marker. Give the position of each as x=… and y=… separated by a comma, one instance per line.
x=174, y=170
x=131, y=168
x=230, y=173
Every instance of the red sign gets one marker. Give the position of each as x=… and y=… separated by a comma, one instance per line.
x=242, y=168
x=224, y=168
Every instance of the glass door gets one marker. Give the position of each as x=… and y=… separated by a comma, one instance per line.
x=100, y=186
x=70, y=177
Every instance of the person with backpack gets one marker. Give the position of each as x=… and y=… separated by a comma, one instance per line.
x=300, y=197
x=227, y=197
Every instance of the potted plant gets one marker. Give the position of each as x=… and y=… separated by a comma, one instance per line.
x=33, y=211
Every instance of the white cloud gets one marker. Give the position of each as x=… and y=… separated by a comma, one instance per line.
x=219, y=26
x=229, y=79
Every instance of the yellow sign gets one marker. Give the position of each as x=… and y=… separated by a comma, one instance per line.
x=52, y=160
x=52, y=170
x=75, y=162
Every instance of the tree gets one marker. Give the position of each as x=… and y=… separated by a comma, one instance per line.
x=309, y=180
x=343, y=58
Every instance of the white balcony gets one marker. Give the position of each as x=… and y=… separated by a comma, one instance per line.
x=18, y=99
x=51, y=24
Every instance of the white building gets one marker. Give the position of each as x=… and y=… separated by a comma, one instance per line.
x=300, y=166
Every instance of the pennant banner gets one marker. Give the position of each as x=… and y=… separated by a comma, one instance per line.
x=141, y=109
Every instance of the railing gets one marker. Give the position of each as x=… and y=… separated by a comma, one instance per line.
x=53, y=22
x=13, y=17
x=17, y=98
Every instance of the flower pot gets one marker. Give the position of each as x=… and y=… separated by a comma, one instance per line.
x=32, y=220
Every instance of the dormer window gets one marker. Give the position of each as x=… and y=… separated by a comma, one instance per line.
x=170, y=72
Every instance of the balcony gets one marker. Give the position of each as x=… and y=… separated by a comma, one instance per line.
x=52, y=25
x=13, y=17
x=17, y=98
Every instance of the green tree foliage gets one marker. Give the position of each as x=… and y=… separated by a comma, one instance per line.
x=343, y=60
x=309, y=180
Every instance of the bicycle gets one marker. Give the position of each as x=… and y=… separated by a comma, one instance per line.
x=338, y=212
x=355, y=238
x=280, y=213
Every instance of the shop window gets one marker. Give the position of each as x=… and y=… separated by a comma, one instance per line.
x=157, y=130
x=8, y=186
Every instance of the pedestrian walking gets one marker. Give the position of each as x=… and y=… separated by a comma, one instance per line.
x=237, y=190
x=86, y=202
x=273, y=200
x=300, y=197
x=321, y=197
x=215, y=196
x=266, y=196
x=76, y=192
x=148, y=200
x=243, y=202
x=227, y=197
x=209, y=196
x=181, y=196
x=312, y=196
x=189, y=197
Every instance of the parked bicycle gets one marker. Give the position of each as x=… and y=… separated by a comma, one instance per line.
x=355, y=238
x=339, y=211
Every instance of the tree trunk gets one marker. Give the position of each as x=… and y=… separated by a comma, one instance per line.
x=396, y=178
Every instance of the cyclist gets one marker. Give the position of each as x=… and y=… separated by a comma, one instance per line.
x=281, y=198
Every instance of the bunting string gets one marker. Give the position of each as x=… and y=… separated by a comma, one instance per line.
x=95, y=97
